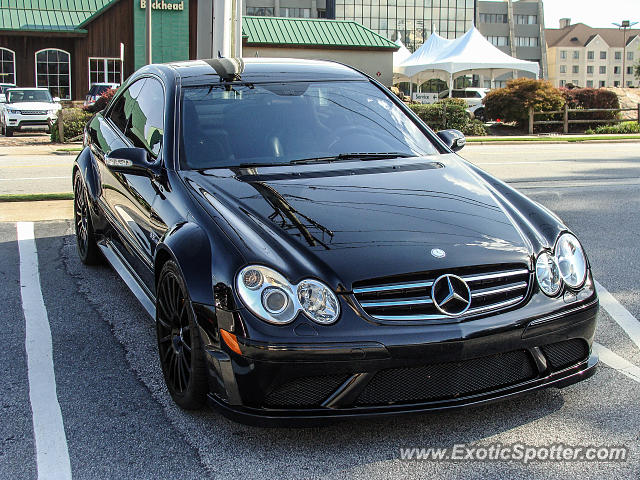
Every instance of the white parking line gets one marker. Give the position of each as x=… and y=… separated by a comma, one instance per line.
x=616, y=362
x=621, y=315
x=52, y=454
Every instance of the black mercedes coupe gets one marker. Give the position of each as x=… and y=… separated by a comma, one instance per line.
x=310, y=249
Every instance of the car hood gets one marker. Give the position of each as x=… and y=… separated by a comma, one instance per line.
x=32, y=106
x=352, y=221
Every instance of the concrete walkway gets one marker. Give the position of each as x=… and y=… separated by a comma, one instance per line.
x=36, y=211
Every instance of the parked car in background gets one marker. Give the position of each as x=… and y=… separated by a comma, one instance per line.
x=309, y=248
x=473, y=97
x=3, y=88
x=96, y=90
x=27, y=108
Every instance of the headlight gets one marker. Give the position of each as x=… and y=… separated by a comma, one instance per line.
x=318, y=301
x=548, y=274
x=571, y=260
x=12, y=110
x=272, y=298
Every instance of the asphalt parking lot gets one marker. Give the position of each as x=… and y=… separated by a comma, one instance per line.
x=119, y=421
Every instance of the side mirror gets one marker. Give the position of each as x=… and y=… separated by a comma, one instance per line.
x=454, y=139
x=56, y=99
x=129, y=160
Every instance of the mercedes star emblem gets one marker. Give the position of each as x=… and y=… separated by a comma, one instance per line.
x=438, y=252
x=451, y=295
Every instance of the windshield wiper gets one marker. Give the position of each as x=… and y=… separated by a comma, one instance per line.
x=353, y=156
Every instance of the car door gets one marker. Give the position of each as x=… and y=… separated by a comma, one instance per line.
x=137, y=117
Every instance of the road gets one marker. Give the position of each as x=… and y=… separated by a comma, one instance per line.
x=119, y=421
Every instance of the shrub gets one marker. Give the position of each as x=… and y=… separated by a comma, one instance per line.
x=590, y=98
x=475, y=128
x=624, y=127
x=448, y=113
x=101, y=103
x=74, y=121
x=512, y=103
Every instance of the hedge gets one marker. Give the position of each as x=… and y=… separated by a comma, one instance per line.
x=448, y=113
x=624, y=127
x=101, y=102
x=74, y=121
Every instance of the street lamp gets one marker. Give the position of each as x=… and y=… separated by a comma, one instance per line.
x=624, y=26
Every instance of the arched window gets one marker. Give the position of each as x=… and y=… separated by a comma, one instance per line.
x=53, y=71
x=7, y=66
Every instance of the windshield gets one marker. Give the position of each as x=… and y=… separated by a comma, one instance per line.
x=16, y=96
x=279, y=123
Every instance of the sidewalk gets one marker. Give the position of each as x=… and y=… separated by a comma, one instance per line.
x=555, y=138
x=36, y=211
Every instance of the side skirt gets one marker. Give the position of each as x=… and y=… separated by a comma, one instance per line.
x=129, y=276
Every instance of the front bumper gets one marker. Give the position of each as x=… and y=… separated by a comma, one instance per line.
x=19, y=121
x=274, y=383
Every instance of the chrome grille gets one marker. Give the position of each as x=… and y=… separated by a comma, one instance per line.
x=34, y=112
x=493, y=288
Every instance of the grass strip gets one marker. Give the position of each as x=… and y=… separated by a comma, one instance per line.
x=35, y=197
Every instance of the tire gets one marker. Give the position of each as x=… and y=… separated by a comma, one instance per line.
x=8, y=132
x=88, y=250
x=479, y=114
x=179, y=347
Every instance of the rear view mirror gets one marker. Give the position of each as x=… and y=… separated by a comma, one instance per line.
x=129, y=160
x=454, y=139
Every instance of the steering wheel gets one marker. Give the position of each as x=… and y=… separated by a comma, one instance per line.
x=351, y=130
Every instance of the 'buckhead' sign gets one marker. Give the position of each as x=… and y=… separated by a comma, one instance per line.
x=162, y=5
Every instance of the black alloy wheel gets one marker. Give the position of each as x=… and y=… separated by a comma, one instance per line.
x=85, y=238
x=179, y=346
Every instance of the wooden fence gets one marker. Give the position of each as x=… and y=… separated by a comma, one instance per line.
x=566, y=120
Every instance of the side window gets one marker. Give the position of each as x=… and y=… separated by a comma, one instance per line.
x=147, y=118
x=119, y=113
x=139, y=114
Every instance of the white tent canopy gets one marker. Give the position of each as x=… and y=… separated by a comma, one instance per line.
x=469, y=53
x=401, y=54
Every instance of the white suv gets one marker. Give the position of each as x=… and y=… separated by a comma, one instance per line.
x=473, y=97
x=28, y=108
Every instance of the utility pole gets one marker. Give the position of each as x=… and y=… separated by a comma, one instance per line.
x=148, y=57
x=624, y=26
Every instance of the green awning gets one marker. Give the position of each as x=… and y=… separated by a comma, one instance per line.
x=311, y=32
x=64, y=16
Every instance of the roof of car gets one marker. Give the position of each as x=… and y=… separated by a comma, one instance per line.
x=261, y=70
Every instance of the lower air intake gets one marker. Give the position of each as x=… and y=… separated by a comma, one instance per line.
x=442, y=381
x=564, y=354
x=304, y=392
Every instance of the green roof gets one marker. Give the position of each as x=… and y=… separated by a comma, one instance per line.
x=311, y=32
x=50, y=15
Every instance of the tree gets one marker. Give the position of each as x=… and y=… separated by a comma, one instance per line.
x=512, y=103
x=636, y=70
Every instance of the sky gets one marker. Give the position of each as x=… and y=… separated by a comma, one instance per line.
x=595, y=13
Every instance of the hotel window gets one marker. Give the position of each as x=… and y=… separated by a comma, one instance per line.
x=260, y=11
x=590, y=83
x=563, y=54
x=629, y=70
x=603, y=70
x=590, y=55
x=295, y=12
x=616, y=70
x=629, y=83
x=105, y=70
x=529, y=42
x=563, y=83
x=601, y=83
x=575, y=69
x=629, y=55
x=563, y=69
x=499, y=41
x=616, y=83
x=7, y=66
x=322, y=13
x=617, y=55
x=53, y=71
x=603, y=55
x=526, y=19
x=589, y=69
x=493, y=18
x=576, y=54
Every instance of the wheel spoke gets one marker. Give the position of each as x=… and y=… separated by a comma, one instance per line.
x=165, y=339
